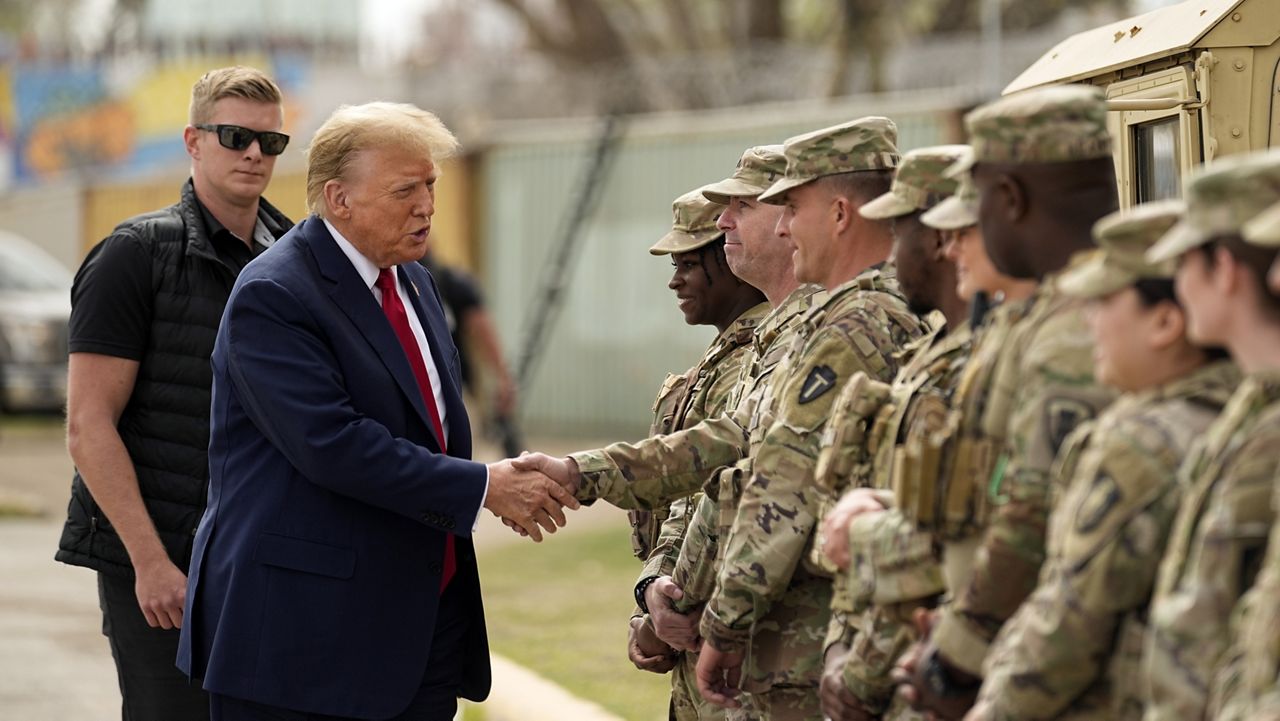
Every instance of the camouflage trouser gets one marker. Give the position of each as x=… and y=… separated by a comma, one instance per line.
x=781, y=703
x=686, y=703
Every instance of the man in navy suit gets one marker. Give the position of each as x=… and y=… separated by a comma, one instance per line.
x=333, y=574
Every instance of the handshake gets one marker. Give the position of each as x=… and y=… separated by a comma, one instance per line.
x=531, y=492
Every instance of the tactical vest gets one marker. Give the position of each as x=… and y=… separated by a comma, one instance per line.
x=899, y=456
x=966, y=444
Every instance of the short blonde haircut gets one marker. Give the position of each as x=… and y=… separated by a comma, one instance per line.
x=355, y=128
x=237, y=81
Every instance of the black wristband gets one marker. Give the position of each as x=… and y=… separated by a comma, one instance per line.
x=641, y=586
x=942, y=682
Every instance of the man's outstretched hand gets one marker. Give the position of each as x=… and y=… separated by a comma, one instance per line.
x=527, y=499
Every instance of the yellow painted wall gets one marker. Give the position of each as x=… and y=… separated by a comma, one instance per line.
x=106, y=205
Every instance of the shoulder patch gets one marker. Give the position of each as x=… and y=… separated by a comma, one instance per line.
x=1102, y=497
x=1063, y=415
x=820, y=380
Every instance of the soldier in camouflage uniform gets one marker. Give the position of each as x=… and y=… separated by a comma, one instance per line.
x=911, y=571
x=1248, y=687
x=765, y=623
x=1042, y=166
x=709, y=294
x=1220, y=534
x=977, y=280
x=1073, y=650
x=829, y=174
x=679, y=580
x=858, y=681
x=648, y=473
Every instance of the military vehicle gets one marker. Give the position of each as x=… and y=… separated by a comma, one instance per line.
x=1186, y=84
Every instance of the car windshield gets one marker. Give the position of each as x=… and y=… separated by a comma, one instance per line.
x=24, y=267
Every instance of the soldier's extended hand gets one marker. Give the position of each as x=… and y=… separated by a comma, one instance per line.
x=835, y=526
x=720, y=676
x=677, y=630
x=527, y=498
x=561, y=470
x=646, y=650
x=838, y=702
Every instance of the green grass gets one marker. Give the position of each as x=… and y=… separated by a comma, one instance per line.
x=561, y=608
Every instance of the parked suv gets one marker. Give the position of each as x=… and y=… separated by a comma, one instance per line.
x=35, y=305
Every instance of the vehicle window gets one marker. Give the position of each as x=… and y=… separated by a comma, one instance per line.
x=1156, y=152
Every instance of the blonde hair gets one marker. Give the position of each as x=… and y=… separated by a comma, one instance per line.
x=237, y=81
x=355, y=128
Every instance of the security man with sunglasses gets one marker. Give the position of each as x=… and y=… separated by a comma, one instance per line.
x=145, y=309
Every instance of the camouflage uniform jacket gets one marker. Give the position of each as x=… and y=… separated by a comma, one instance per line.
x=894, y=565
x=767, y=602
x=694, y=567
x=1073, y=650
x=658, y=470
x=690, y=543
x=1248, y=686
x=685, y=400
x=1041, y=387
x=1215, y=549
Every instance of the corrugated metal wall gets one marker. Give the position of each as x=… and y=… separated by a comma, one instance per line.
x=620, y=331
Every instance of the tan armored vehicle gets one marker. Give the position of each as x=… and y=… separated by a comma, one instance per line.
x=1187, y=83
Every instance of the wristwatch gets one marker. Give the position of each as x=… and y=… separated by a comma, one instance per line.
x=641, y=586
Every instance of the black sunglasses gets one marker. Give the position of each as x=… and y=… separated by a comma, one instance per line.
x=235, y=137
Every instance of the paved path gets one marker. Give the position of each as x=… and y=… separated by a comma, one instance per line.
x=54, y=662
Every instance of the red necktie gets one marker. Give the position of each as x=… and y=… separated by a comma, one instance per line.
x=399, y=320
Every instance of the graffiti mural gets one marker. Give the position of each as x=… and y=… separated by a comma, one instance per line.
x=60, y=119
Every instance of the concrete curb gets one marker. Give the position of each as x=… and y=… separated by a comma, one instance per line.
x=522, y=695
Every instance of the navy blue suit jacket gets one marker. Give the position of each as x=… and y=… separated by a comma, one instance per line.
x=316, y=570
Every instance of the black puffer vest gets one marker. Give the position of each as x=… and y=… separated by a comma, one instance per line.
x=165, y=426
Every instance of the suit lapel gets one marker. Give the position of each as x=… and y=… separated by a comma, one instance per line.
x=438, y=339
x=356, y=301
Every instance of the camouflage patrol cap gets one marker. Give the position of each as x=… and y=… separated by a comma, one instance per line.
x=956, y=212
x=1264, y=230
x=1124, y=237
x=1221, y=198
x=919, y=183
x=758, y=168
x=693, y=224
x=1057, y=124
x=868, y=143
